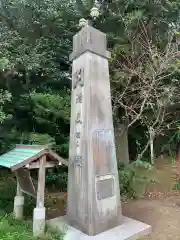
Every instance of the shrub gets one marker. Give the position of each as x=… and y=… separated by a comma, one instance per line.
x=133, y=179
x=58, y=179
x=8, y=192
x=11, y=229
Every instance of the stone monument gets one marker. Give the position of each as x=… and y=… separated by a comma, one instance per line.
x=93, y=187
x=94, y=206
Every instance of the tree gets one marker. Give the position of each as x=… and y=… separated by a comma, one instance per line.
x=35, y=69
x=34, y=49
x=145, y=80
x=4, y=97
x=139, y=34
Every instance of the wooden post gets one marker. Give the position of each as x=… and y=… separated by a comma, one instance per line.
x=18, y=203
x=18, y=190
x=39, y=211
x=41, y=183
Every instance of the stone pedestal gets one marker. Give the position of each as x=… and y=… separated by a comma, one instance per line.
x=39, y=221
x=18, y=207
x=128, y=230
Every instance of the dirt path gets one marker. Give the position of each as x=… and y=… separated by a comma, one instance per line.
x=161, y=206
x=162, y=215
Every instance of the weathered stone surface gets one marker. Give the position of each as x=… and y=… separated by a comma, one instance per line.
x=94, y=204
x=128, y=230
x=122, y=146
x=89, y=39
x=18, y=207
x=105, y=188
x=93, y=185
x=39, y=221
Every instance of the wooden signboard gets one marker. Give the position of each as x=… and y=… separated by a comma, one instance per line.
x=25, y=182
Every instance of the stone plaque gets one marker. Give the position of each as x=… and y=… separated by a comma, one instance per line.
x=105, y=188
x=103, y=151
x=25, y=181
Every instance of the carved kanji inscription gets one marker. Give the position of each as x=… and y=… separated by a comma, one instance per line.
x=78, y=78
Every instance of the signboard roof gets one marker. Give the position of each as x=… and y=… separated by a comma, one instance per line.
x=25, y=154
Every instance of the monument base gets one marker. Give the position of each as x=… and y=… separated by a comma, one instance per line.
x=129, y=230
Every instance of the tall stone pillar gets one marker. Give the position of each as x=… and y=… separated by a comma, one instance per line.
x=94, y=206
x=93, y=185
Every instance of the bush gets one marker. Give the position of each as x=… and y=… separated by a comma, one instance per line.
x=14, y=229
x=133, y=179
x=58, y=179
x=8, y=192
x=11, y=229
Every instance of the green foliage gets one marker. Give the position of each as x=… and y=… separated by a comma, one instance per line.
x=29, y=205
x=51, y=113
x=5, y=96
x=29, y=28
x=177, y=135
x=15, y=229
x=42, y=139
x=134, y=178
x=11, y=229
x=141, y=33
x=4, y=62
x=53, y=234
x=8, y=192
x=177, y=186
x=58, y=179
x=51, y=106
x=34, y=68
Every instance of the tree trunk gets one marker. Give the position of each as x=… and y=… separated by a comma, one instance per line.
x=122, y=148
x=151, y=135
x=139, y=157
x=178, y=153
x=150, y=143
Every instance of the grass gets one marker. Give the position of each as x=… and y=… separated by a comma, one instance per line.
x=14, y=229
x=11, y=229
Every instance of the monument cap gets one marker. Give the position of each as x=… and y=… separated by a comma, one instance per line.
x=89, y=39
